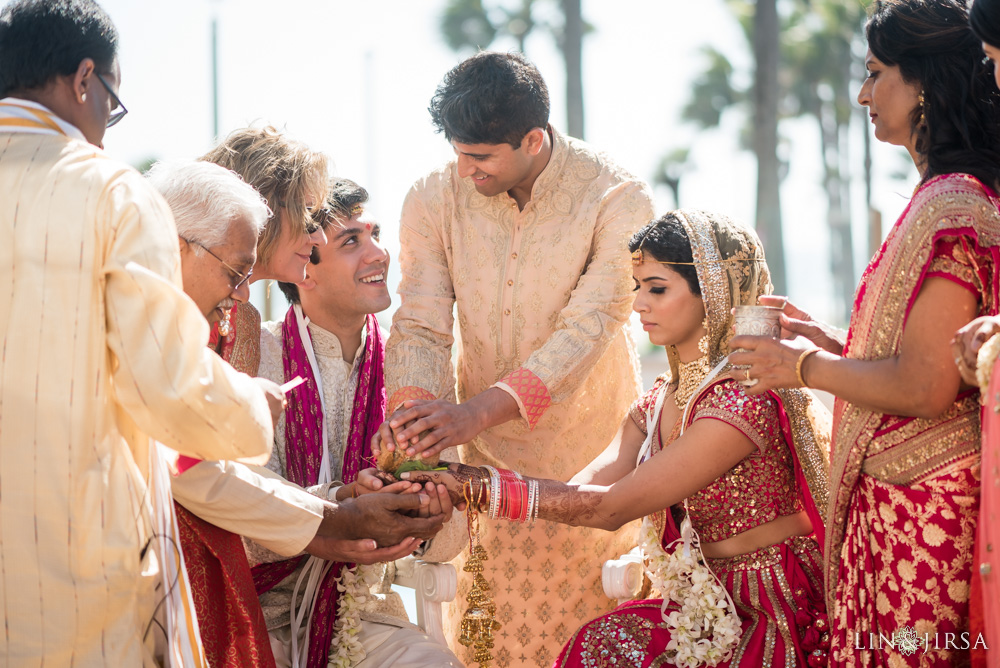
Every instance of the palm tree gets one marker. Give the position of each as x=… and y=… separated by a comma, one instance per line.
x=766, y=95
x=714, y=92
x=819, y=52
x=672, y=167
x=810, y=74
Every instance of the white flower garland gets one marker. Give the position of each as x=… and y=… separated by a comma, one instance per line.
x=355, y=596
x=706, y=629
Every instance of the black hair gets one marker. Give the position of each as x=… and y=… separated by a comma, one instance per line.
x=43, y=39
x=984, y=18
x=343, y=195
x=491, y=98
x=666, y=240
x=933, y=45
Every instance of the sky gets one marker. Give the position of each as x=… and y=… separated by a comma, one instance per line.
x=353, y=79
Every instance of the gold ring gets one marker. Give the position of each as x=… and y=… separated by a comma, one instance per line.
x=749, y=379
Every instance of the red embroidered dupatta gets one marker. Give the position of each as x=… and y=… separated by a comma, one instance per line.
x=904, y=490
x=233, y=630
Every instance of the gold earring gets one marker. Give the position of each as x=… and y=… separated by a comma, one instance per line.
x=225, y=325
x=920, y=101
x=703, y=341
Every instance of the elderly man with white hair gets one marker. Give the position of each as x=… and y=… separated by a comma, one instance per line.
x=219, y=218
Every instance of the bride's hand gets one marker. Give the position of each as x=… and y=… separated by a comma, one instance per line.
x=454, y=479
x=796, y=322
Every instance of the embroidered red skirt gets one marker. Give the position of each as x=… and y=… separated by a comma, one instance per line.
x=778, y=596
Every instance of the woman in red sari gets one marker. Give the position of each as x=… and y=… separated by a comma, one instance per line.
x=696, y=456
x=905, y=463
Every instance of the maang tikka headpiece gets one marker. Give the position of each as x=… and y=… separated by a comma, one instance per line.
x=638, y=257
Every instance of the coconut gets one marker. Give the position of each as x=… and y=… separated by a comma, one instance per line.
x=396, y=461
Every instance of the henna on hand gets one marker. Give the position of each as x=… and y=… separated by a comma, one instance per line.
x=568, y=504
x=454, y=479
x=558, y=501
x=463, y=473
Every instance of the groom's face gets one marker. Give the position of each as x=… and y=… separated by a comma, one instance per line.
x=350, y=278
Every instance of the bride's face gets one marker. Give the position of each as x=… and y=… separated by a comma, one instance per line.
x=671, y=314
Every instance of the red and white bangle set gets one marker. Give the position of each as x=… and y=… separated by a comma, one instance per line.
x=510, y=496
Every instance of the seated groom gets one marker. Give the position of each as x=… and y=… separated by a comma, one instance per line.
x=219, y=218
x=330, y=335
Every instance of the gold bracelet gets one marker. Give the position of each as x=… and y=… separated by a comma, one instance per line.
x=798, y=365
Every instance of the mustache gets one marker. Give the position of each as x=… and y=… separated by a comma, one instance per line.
x=226, y=304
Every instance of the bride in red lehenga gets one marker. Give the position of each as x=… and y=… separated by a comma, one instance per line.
x=703, y=463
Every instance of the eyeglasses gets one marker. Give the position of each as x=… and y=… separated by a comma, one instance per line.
x=243, y=278
x=116, y=113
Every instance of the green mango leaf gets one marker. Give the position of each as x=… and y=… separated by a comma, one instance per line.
x=412, y=465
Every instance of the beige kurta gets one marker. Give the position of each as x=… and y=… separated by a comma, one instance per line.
x=101, y=350
x=542, y=295
x=251, y=501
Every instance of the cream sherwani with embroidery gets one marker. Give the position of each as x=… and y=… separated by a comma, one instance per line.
x=542, y=296
x=100, y=350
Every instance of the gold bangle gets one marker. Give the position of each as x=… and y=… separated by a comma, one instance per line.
x=798, y=365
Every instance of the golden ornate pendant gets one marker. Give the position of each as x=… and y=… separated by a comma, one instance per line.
x=479, y=621
x=690, y=376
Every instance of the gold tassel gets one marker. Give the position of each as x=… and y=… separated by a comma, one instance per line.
x=479, y=621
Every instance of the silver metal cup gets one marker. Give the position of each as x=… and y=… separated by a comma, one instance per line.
x=756, y=321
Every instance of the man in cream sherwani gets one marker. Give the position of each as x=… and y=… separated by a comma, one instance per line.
x=100, y=351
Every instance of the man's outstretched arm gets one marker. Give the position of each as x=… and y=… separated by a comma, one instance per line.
x=282, y=517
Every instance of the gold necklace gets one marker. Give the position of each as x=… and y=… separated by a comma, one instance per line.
x=689, y=377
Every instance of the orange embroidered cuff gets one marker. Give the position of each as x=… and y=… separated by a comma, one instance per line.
x=405, y=393
x=531, y=393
